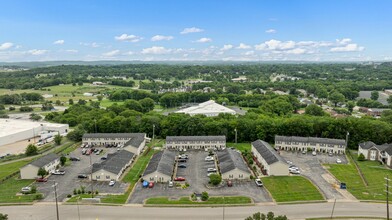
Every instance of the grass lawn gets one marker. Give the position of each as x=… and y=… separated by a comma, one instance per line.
x=10, y=168
x=240, y=146
x=131, y=177
x=156, y=143
x=374, y=174
x=291, y=188
x=107, y=103
x=211, y=201
x=9, y=189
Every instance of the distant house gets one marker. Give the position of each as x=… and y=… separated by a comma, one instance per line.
x=376, y=112
x=195, y=142
x=337, y=146
x=271, y=161
x=239, y=79
x=208, y=108
x=113, y=167
x=161, y=166
x=132, y=142
x=88, y=94
x=49, y=162
x=372, y=151
x=232, y=165
x=98, y=83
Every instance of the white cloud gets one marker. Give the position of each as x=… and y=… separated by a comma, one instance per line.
x=296, y=51
x=270, y=31
x=191, y=30
x=36, y=52
x=93, y=44
x=227, y=47
x=275, y=45
x=161, y=37
x=347, y=48
x=155, y=50
x=343, y=41
x=59, y=42
x=6, y=45
x=111, y=53
x=249, y=53
x=128, y=38
x=72, y=51
x=243, y=46
x=129, y=53
x=203, y=40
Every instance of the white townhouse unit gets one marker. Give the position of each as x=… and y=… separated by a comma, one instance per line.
x=232, y=165
x=113, y=167
x=208, y=108
x=372, y=151
x=161, y=167
x=195, y=142
x=49, y=162
x=132, y=142
x=336, y=146
x=272, y=162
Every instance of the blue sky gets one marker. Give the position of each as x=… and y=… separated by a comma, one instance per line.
x=333, y=30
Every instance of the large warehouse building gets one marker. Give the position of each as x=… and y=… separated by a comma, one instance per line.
x=12, y=130
x=209, y=108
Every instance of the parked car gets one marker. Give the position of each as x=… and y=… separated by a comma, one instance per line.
x=145, y=184
x=304, y=152
x=58, y=172
x=150, y=184
x=181, y=165
x=112, y=183
x=338, y=161
x=179, y=179
x=229, y=183
x=26, y=189
x=104, y=158
x=171, y=184
x=289, y=162
x=209, y=158
x=82, y=176
x=294, y=170
x=183, y=156
x=74, y=159
x=211, y=169
x=258, y=182
x=84, y=151
x=181, y=160
x=41, y=180
x=314, y=153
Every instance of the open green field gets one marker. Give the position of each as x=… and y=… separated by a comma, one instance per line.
x=10, y=168
x=291, y=188
x=12, y=186
x=228, y=200
x=374, y=174
x=240, y=146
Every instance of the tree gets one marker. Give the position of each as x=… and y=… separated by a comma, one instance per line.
x=42, y=172
x=204, y=196
x=147, y=104
x=63, y=160
x=361, y=157
x=389, y=100
x=82, y=102
x=35, y=117
x=262, y=216
x=99, y=98
x=31, y=150
x=3, y=216
x=314, y=110
x=336, y=97
x=57, y=139
x=76, y=134
x=350, y=106
x=71, y=101
x=374, y=95
x=133, y=105
x=215, y=179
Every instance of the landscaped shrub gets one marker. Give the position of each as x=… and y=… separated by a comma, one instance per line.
x=204, y=196
x=361, y=157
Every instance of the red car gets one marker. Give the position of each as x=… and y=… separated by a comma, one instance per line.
x=151, y=184
x=179, y=179
x=229, y=183
x=41, y=180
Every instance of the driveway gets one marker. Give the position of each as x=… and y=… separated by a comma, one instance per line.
x=310, y=167
x=70, y=181
x=196, y=175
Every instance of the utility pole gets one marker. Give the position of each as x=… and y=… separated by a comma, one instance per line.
x=387, y=192
x=333, y=208
x=235, y=129
x=153, y=131
x=55, y=196
x=91, y=178
x=77, y=203
x=348, y=134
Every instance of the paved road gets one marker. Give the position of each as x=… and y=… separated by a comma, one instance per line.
x=299, y=211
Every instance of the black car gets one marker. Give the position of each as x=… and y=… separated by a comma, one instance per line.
x=82, y=176
x=181, y=160
x=182, y=165
x=74, y=159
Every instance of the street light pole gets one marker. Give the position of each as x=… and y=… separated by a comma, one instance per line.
x=55, y=196
x=153, y=131
x=235, y=129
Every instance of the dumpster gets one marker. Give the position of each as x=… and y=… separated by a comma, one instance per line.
x=343, y=186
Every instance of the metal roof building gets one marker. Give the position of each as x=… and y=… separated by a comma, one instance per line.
x=208, y=108
x=232, y=165
x=160, y=168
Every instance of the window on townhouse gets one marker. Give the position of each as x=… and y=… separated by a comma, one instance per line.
x=107, y=177
x=98, y=177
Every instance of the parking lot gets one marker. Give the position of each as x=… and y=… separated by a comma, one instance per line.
x=312, y=168
x=70, y=181
x=196, y=175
